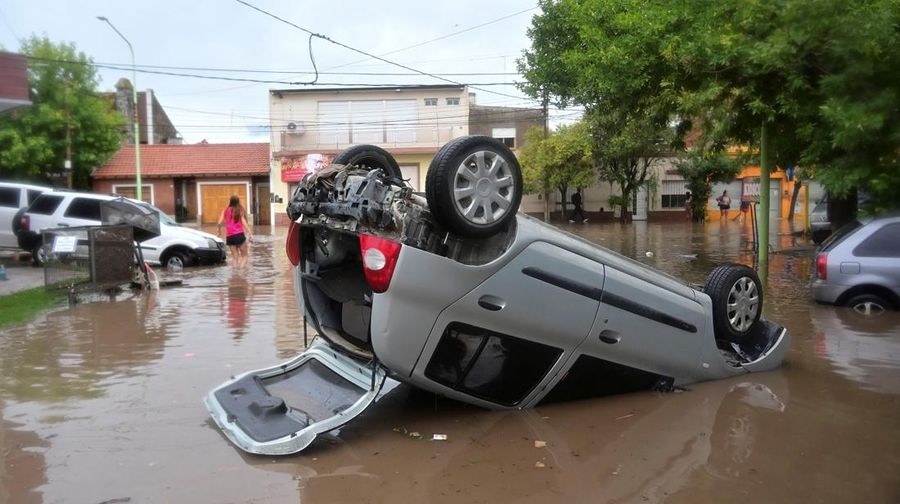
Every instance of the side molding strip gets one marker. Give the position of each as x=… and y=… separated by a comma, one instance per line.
x=596, y=294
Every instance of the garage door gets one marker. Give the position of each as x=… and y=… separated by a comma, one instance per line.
x=214, y=199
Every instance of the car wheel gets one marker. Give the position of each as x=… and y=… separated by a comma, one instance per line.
x=177, y=260
x=869, y=304
x=737, y=300
x=474, y=186
x=38, y=256
x=371, y=157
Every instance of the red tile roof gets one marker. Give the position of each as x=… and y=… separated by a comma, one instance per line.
x=199, y=160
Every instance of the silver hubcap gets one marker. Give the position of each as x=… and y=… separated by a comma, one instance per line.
x=483, y=189
x=743, y=304
x=868, y=308
x=175, y=262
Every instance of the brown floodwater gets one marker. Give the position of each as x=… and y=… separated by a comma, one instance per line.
x=102, y=403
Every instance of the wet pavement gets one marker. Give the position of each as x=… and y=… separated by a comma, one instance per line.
x=103, y=402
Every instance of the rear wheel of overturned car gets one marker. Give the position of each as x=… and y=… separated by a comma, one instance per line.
x=474, y=186
x=369, y=157
x=737, y=300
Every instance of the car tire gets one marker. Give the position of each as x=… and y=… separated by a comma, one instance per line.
x=737, y=301
x=177, y=260
x=38, y=256
x=370, y=157
x=472, y=200
x=869, y=304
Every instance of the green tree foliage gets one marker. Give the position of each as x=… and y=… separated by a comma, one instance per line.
x=33, y=140
x=558, y=162
x=604, y=55
x=701, y=169
x=823, y=75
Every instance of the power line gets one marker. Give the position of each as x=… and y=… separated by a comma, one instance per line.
x=282, y=72
x=442, y=37
x=364, y=53
x=273, y=81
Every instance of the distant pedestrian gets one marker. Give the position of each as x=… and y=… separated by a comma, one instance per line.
x=578, y=209
x=237, y=231
x=724, y=202
x=745, y=210
x=687, y=205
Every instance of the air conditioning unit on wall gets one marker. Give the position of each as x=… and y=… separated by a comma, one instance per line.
x=294, y=128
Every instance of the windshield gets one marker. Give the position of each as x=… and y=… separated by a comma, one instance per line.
x=163, y=218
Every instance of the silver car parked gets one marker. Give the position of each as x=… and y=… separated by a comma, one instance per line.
x=458, y=294
x=859, y=266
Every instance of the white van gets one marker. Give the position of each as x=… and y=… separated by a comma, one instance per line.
x=176, y=246
x=14, y=196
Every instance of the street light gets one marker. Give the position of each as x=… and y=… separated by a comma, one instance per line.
x=137, y=130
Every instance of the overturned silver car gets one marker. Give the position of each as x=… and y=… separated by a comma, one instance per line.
x=458, y=294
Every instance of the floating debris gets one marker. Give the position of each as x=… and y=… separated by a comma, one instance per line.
x=540, y=444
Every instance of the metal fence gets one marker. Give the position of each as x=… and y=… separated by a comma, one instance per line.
x=88, y=257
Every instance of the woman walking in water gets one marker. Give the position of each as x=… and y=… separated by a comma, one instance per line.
x=237, y=231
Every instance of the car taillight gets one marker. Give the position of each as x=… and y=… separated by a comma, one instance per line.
x=822, y=266
x=25, y=223
x=292, y=244
x=379, y=257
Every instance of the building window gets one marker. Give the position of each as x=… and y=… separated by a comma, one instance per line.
x=453, y=101
x=674, y=193
x=367, y=122
x=431, y=102
x=505, y=135
x=130, y=191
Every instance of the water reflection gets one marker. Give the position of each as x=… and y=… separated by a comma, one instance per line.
x=865, y=349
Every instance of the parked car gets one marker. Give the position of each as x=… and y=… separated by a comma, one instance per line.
x=819, y=224
x=859, y=266
x=176, y=246
x=13, y=197
x=460, y=295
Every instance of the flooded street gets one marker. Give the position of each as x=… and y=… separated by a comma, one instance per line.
x=103, y=403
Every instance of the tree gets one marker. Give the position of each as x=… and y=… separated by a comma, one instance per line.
x=66, y=115
x=604, y=55
x=560, y=161
x=701, y=169
x=822, y=76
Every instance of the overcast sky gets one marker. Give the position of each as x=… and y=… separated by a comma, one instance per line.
x=228, y=35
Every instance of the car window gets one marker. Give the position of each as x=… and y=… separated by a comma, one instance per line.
x=883, y=243
x=839, y=235
x=84, y=208
x=33, y=194
x=9, y=197
x=45, y=204
x=163, y=217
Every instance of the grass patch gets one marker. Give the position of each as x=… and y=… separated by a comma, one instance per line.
x=24, y=305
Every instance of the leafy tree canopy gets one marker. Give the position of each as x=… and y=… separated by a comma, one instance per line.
x=33, y=140
x=822, y=75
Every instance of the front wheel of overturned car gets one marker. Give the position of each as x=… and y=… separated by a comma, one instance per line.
x=474, y=186
x=369, y=157
x=737, y=300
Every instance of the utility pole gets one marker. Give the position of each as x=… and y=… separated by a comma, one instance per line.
x=764, y=195
x=545, y=102
x=137, y=131
x=68, y=163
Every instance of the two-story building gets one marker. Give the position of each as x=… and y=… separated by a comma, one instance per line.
x=310, y=126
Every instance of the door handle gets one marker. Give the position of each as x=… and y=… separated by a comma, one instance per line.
x=491, y=303
x=60, y=224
